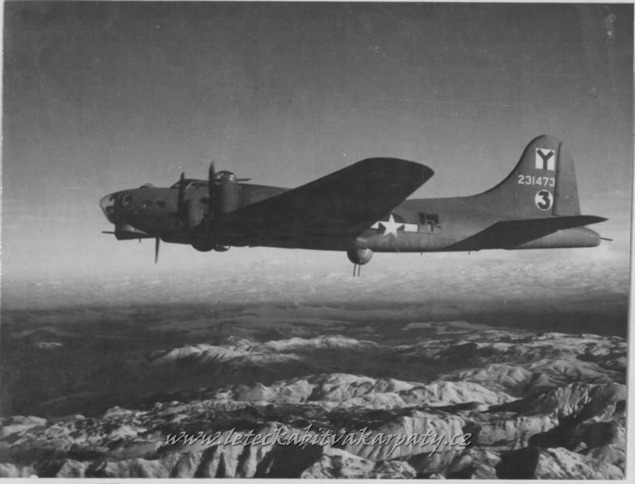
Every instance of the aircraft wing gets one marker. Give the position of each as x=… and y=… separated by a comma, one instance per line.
x=508, y=234
x=328, y=212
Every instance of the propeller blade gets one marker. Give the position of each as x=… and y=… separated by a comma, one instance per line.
x=211, y=189
x=181, y=199
x=180, y=202
x=156, y=249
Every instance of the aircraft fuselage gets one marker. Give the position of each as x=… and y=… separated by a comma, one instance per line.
x=363, y=209
x=416, y=225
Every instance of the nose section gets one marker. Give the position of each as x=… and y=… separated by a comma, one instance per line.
x=107, y=204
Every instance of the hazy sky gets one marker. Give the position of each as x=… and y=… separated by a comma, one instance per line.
x=100, y=97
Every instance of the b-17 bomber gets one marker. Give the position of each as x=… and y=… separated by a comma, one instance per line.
x=362, y=209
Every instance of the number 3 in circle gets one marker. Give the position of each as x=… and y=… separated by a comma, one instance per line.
x=544, y=200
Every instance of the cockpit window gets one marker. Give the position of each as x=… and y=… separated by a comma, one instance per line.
x=126, y=200
x=146, y=203
x=192, y=184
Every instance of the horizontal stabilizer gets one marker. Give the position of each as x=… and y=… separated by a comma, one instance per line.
x=331, y=211
x=509, y=234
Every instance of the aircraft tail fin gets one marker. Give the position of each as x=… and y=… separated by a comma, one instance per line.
x=542, y=184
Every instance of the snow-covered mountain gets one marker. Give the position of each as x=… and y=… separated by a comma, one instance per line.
x=95, y=393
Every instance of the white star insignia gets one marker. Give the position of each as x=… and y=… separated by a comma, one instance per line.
x=391, y=226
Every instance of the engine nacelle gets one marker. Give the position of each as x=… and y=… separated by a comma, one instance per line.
x=227, y=192
x=359, y=256
x=194, y=213
x=203, y=245
x=201, y=240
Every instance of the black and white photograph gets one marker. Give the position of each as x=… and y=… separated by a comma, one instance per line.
x=316, y=240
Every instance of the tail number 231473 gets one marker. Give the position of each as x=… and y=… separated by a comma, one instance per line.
x=543, y=181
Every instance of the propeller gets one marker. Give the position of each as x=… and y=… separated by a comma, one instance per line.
x=180, y=206
x=211, y=189
x=157, y=243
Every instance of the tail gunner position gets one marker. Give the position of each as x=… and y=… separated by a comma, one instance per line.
x=363, y=209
